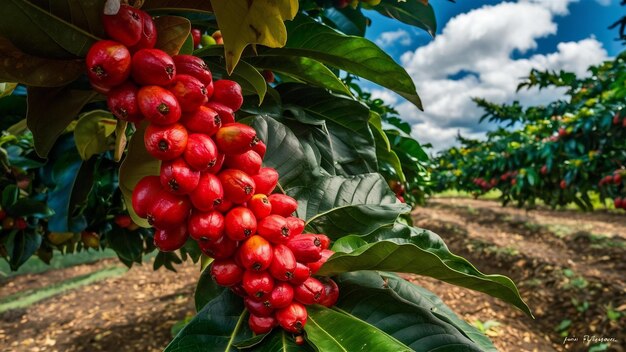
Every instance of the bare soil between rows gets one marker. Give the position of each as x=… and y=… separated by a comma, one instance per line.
x=559, y=260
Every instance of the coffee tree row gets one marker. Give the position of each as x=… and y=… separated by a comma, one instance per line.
x=559, y=153
x=328, y=141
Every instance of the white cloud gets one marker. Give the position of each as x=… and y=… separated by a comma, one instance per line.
x=398, y=37
x=476, y=48
x=604, y=2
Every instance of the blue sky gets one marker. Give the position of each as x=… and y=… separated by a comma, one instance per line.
x=483, y=48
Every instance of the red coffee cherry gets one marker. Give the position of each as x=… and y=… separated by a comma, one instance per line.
x=256, y=254
x=122, y=101
x=190, y=92
x=201, y=152
x=324, y=240
x=158, y=105
x=283, y=263
x=309, y=292
x=240, y=223
x=306, y=247
x=168, y=211
x=238, y=186
x=148, y=34
x=125, y=26
x=274, y=228
x=206, y=225
x=224, y=206
x=178, y=177
x=248, y=162
x=165, y=142
x=281, y=296
x=257, y=284
x=268, y=75
x=228, y=93
x=235, y=138
x=260, y=206
x=225, y=113
x=169, y=240
x=260, y=148
x=145, y=195
x=257, y=307
x=203, y=120
x=194, y=66
x=300, y=274
x=123, y=221
x=222, y=248
x=331, y=292
x=218, y=164
x=196, y=35
x=153, y=67
x=226, y=272
x=108, y=64
x=266, y=180
x=296, y=225
x=316, y=266
x=283, y=204
x=292, y=318
x=208, y=194
x=21, y=224
x=261, y=325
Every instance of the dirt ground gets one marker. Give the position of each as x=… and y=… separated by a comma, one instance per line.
x=569, y=266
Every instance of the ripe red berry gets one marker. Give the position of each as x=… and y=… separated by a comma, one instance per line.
x=256, y=253
x=144, y=194
x=274, y=228
x=306, y=247
x=224, y=206
x=168, y=240
x=309, y=292
x=235, y=138
x=300, y=274
x=122, y=101
x=196, y=67
x=617, y=179
x=158, y=105
x=316, y=266
x=238, y=186
x=208, y=194
x=153, y=67
x=266, y=180
x=296, y=225
x=165, y=142
x=148, y=34
x=248, y=162
x=206, y=225
x=281, y=296
x=258, y=307
x=222, y=248
x=324, y=240
x=108, y=64
x=218, y=164
x=228, y=92
x=240, y=223
x=260, y=206
x=618, y=202
x=123, y=221
x=178, y=177
x=226, y=114
x=284, y=263
x=204, y=120
x=3, y=214
x=261, y=325
x=331, y=292
x=226, y=272
x=201, y=152
x=292, y=318
x=168, y=211
x=563, y=184
x=544, y=170
x=269, y=76
x=196, y=35
x=125, y=26
x=257, y=284
x=20, y=223
x=190, y=92
x=283, y=204
x=260, y=148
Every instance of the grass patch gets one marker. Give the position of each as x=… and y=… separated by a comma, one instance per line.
x=452, y=193
x=35, y=265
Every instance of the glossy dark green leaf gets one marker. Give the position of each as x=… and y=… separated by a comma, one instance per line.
x=415, y=13
x=331, y=330
x=250, y=80
x=347, y=20
x=25, y=244
x=37, y=32
x=365, y=295
x=278, y=341
x=28, y=207
x=178, y=5
x=218, y=326
x=128, y=245
x=92, y=132
x=308, y=38
x=206, y=289
x=402, y=142
x=187, y=48
x=387, y=158
x=9, y=196
x=402, y=248
x=85, y=14
x=50, y=111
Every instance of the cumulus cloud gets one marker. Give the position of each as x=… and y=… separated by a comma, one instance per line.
x=394, y=38
x=604, y=2
x=472, y=57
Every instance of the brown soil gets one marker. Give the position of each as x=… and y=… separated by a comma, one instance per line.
x=136, y=311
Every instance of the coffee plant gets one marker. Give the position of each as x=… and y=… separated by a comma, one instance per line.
x=246, y=145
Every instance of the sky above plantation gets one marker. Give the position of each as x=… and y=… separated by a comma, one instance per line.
x=483, y=49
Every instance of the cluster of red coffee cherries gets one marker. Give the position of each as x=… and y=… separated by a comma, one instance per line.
x=212, y=186
x=615, y=180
